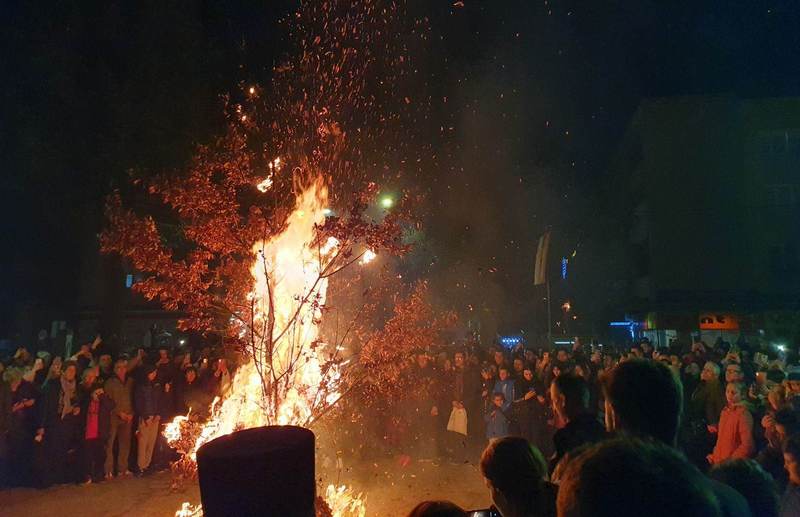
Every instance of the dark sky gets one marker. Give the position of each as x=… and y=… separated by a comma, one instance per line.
x=539, y=94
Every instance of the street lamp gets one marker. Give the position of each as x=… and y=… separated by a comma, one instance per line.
x=387, y=202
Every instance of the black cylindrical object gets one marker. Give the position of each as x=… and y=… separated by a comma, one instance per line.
x=263, y=471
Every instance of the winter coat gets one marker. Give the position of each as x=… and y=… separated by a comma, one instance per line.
x=505, y=387
x=496, y=422
x=121, y=393
x=148, y=399
x=50, y=405
x=734, y=435
x=584, y=429
x=707, y=401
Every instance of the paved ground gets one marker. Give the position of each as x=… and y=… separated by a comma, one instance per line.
x=391, y=490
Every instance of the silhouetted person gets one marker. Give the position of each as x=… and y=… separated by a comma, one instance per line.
x=754, y=483
x=437, y=509
x=633, y=477
x=790, y=502
x=569, y=395
x=515, y=473
x=645, y=399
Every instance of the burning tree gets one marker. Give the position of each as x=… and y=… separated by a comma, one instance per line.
x=256, y=272
x=248, y=240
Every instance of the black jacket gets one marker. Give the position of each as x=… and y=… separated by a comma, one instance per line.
x=148, y=399
x=584, y=429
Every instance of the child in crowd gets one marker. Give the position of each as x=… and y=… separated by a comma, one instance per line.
x=496, y=419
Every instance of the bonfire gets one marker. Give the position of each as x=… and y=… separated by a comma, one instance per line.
x=269, y=215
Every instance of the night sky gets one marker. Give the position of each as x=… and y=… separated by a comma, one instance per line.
x=538, y=93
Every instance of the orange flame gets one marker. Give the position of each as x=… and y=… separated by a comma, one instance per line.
x=283, y=381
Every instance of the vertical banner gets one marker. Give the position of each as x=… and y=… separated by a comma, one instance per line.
x=540, y=267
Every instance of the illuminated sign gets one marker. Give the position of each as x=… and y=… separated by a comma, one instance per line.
x=718, y=321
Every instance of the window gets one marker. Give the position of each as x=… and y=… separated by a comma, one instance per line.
x=128, y=280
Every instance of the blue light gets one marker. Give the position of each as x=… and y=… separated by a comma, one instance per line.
x=564, y=262
x=621, y=324
x=128, y=281
x=511, y=340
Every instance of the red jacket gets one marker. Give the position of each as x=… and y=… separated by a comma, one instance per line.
x=735, y=434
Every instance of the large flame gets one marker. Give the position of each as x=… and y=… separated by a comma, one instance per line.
x=283, y=381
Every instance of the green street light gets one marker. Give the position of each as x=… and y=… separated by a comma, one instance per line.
x=387, y=202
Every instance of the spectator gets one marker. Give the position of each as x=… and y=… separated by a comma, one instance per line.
x=59, y=424
x=168, y=373
x=754, y=483
x=487, y=385
x=784, y=423
x=53, y=373
x=518, y=366
x=191, y=396
x=21, y=424
x=528, y=408
x=219, y=379
x=105, y=366
x=709, y=397
x=22, y=358
x=735, y=435
x=776, y=400
x=465, y=395
x=644, y=399
x=497, y=417
x=424, y=411
x=734, y=373
x=120, y=389
x=89, y=380
x=96, y=407
x=437, y=509
x=530, y=357
x=605, y=481
x=82, y=358
x=504, y=384
x=569, y=396
x=37, y=372
x=790, y=502
x=147, y=399
x=792, y=385
x=499, y=358
x=515, y=473
x=543, y=368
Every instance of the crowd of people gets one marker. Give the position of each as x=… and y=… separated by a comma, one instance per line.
x=92, y=416
x=691, y=429
x=577, y=431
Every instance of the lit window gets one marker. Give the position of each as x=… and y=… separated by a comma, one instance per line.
x=128, y=280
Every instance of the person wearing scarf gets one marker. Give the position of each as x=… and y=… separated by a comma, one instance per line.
x=59, y=422
x=528, y=408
